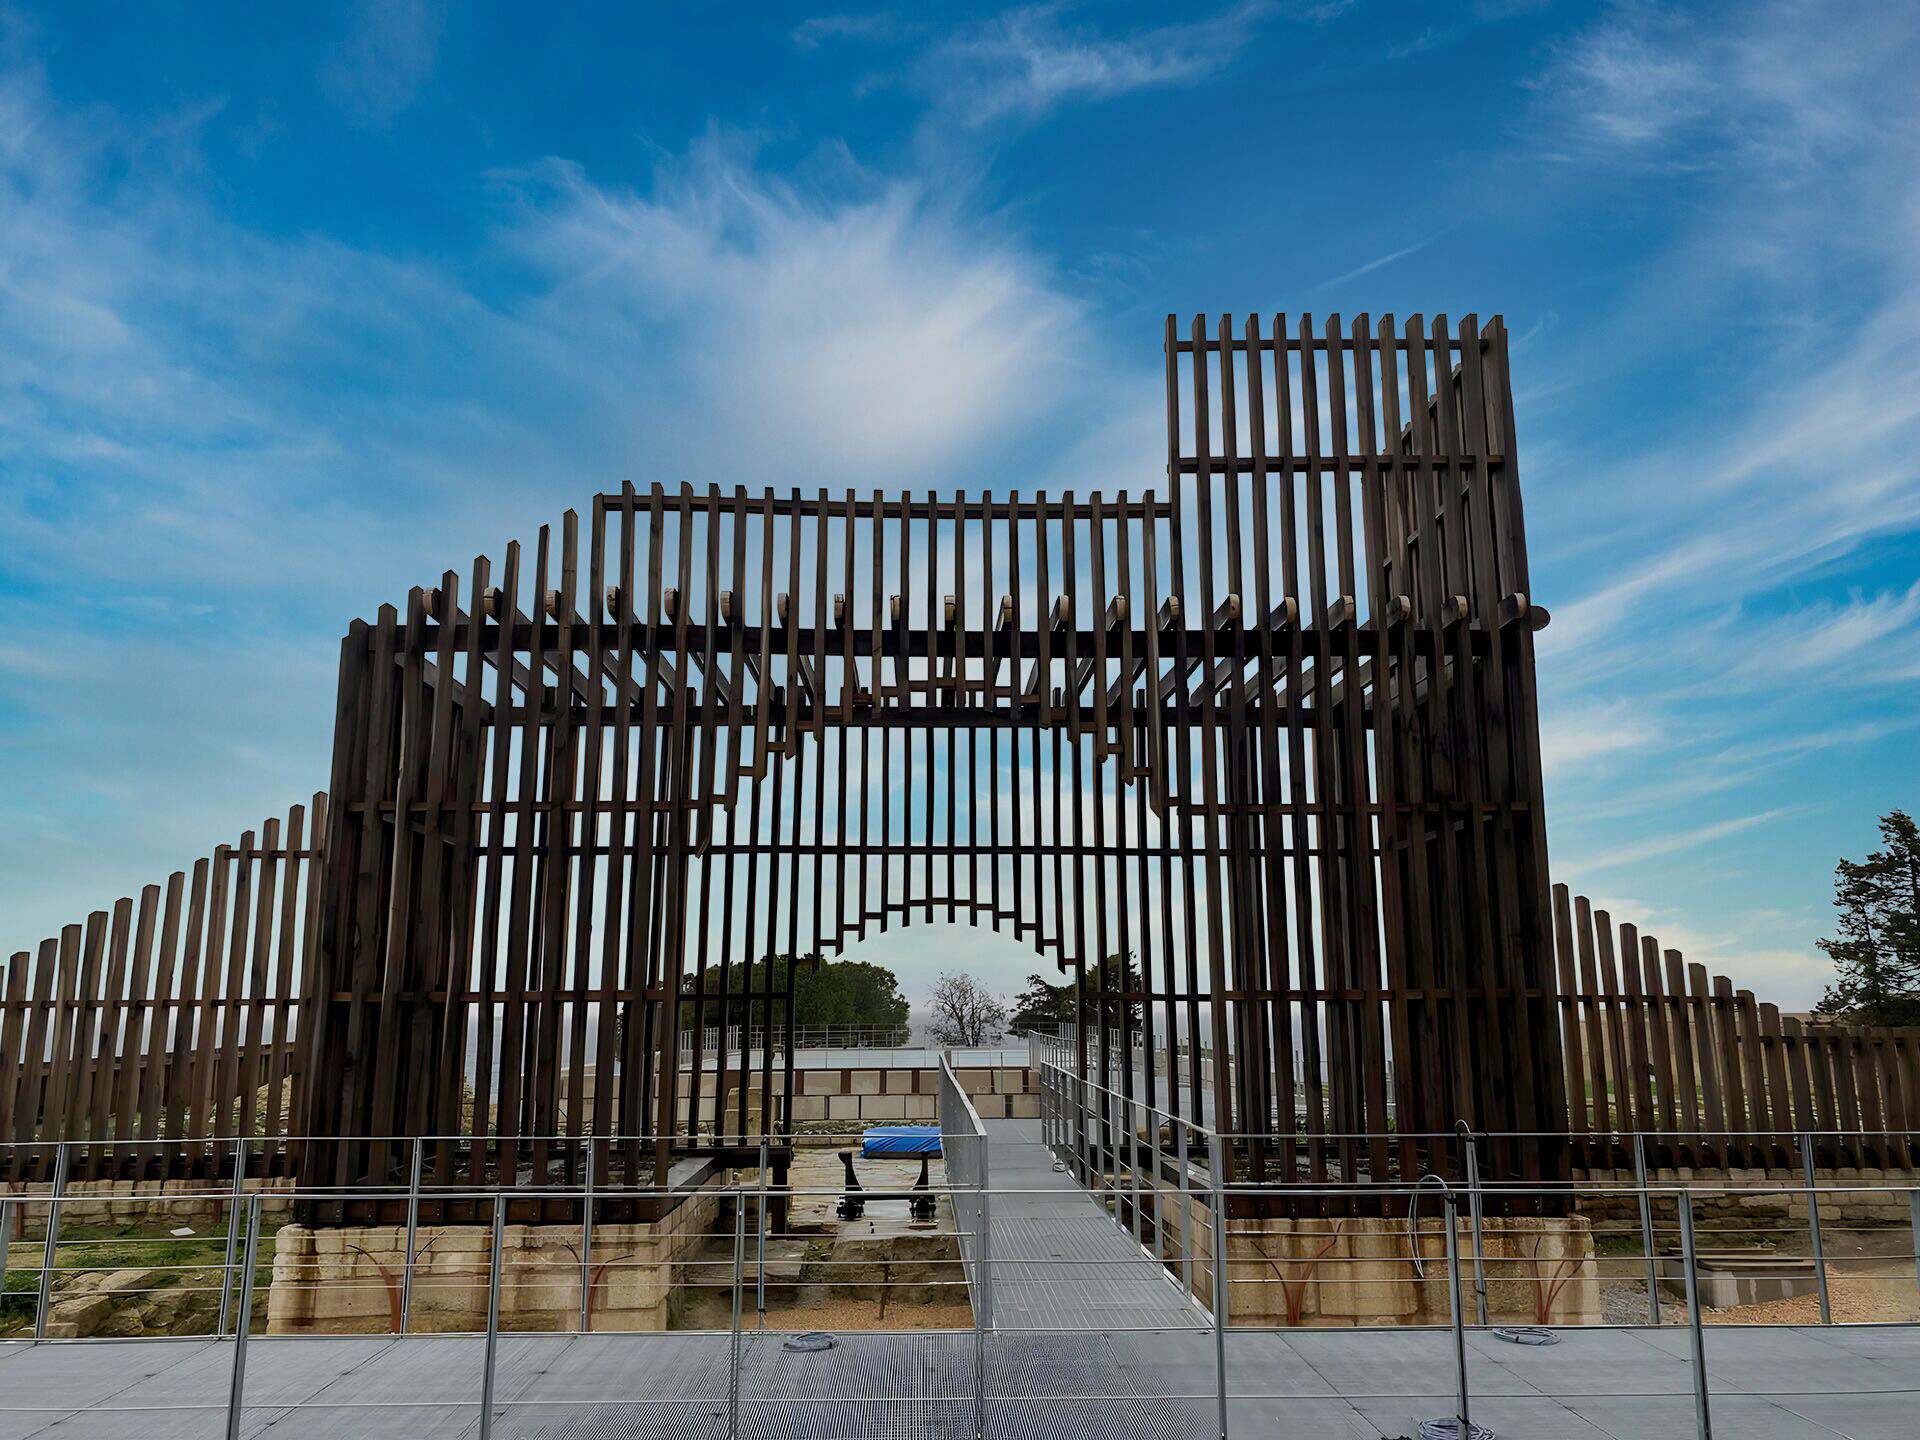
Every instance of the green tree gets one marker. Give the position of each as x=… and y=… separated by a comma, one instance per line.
x=1043, y=1006
x=844, y=992
x=851, y=992
x=1876, y=956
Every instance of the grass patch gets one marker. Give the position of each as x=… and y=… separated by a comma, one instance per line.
x=177, y=1260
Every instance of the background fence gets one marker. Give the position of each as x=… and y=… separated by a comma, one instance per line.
x=1657, y=1046
x=173, y=1015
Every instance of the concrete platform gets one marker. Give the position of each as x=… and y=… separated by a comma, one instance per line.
x=1856, y=1382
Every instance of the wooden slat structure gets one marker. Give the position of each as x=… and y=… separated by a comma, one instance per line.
x=1266, y=725
x=1268, y=728
x=1710, y=1078
x=172, y=1019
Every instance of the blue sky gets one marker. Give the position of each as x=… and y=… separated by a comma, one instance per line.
x=301, y=305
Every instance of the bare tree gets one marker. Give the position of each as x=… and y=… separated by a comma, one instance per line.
x=965, y=1012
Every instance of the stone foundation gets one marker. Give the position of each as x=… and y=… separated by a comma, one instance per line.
x=199, y=1203
x=1733, y=1196
x=347, y=1280
x=1358, y=1271
x=854, y=1098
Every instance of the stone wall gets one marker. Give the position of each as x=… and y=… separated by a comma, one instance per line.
x=853, y=1098
x=1358, y=1271
x=861, y=1095
x=1875, y=1197
x=868, y=1096
x=347, y=1280
x=199, y=1203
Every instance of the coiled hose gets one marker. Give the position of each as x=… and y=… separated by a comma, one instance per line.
x=1526, y=1335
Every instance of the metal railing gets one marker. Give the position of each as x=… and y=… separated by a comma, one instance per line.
x=1164, y=1181
x=799, y=1037
x=964, y=1162
x=1175, y=1062
x=963, y=1146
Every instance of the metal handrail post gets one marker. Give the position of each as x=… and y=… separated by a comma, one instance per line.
x=1216, y=1169
x=6, y=1238
x=1058, y=1080
x=233, y=1235
x=982, y=1302
x=1913, y=1207
x=1702, y=1409
x=1458, y=1318
x=1474, y=1214
x=586, y=1244
x=493, y=1315
x=237, y=1389
x=1153, y=1184
x=1077, y=1123
x=1105, y=1158
x=1051, y=1089
x=1813, y=1226
x=760, y=1243
x=45, y=1303
x=1186, y=1205
x=1646, y=1227
x=413, y=1235
x=983, y=1242
x=1132, y=1141
x=1082, y=1131
x=733, y=1357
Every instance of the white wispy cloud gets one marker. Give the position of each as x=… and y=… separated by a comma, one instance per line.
x=1653, y=847
x=1819, y=463
x=1427, y=39
x=1854, y=640
x=873, y=333
x=1633, y=80
x=1736, y=598
x=818, y=30
x=221, y=445
x=1030, y=60
x=1573, y=739
x=1377, y=263
x=384, y=54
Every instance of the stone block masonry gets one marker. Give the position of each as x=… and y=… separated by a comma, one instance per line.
x=1361, y=1271
x=347, y=1281
x=1743, y=1196
x=853, y=1097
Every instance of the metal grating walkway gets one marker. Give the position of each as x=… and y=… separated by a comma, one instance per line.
x=1854, y=1382
x=1060, y=1261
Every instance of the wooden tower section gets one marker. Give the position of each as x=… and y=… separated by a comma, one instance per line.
x=1264, y=723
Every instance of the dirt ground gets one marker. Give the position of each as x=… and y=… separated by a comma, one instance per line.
x=1857, y=1292
x=1870, y=1277
x=806, y=1266
x=862, y=1315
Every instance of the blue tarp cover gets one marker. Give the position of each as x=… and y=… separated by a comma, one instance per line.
x=901, y=1140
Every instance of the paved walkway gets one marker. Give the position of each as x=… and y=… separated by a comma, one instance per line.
x=1854, y=1382
x=1060, y=1261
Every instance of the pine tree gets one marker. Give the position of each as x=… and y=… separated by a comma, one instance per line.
x=1876, y=956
